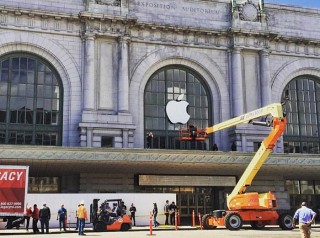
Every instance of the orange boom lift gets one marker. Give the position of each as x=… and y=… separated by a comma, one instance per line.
x=254, y=208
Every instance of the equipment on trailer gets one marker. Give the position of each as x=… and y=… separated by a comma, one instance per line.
x=106, y=218
x=14, y=222
x=254, y=208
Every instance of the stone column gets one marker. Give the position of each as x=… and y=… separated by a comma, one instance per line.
x=266, y=96
x=89, y=76
x=237, y=83
x=123, y=91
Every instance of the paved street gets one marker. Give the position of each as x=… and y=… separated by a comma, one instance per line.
x=187, y=232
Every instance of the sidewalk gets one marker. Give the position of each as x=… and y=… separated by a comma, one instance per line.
x=164, y=228
x=22, y=230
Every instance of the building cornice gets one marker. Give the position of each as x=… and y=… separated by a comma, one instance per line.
x=59, y=161
x=105, y=154
x=40, y=13
x=114, y=26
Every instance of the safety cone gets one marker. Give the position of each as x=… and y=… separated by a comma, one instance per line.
x=200, y=222
x=193, y=219
x=150, y=223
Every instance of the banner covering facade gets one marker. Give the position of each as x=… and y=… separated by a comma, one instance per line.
x=13, y=190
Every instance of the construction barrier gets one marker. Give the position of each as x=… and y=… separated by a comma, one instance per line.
x=150, y=223
x=193, y=219
x=175, y=221
x=200, y=222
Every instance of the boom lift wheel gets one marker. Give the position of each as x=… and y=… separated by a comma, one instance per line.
x=285, y=222
x=233, y=221
x=205, y=222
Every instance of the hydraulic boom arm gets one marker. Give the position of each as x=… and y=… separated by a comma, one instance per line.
x=275, y=110
x=279, y=122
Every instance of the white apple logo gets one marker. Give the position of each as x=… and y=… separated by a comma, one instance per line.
x=177, y=110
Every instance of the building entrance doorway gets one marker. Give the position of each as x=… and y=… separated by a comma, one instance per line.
x=197, y=199
x=201, y=200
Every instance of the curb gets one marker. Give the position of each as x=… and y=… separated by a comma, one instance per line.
x=22, y=231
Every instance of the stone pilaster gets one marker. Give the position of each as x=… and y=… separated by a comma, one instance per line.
x=237, y=83
x=123, y=86
x=125, y=138
x=89, y=75
x=89, y=137
x=266, y=97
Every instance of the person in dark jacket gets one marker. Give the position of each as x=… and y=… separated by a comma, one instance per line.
x=215, y=147
x=155, y=213
x=133, y=214
x=172, y=211
x=44, y=216
x=149, y=139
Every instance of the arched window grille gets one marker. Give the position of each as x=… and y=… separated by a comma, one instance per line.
x=30, y=101
x=165, y=85
x=302, y=133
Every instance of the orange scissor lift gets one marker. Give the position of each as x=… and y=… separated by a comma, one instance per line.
x=254, y=208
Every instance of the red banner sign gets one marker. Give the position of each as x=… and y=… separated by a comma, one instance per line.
x=13, y=189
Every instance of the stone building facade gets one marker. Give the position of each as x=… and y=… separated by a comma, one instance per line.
x=105, y=53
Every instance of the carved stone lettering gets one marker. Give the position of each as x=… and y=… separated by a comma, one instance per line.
x=176, y=7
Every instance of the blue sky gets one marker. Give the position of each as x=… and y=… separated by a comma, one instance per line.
x=302, y=3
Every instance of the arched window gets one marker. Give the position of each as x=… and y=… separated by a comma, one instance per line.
x=302, y=133
x=166, y=85
x=30, y=101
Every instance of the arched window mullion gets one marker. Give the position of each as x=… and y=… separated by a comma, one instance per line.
x=35, y=103
x=166, y=101
x=8, y=101
x=317, y=95
x=298, y=115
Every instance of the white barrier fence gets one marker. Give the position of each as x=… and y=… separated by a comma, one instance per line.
x=142, y=201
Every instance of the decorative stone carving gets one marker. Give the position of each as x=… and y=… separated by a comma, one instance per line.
x=3, y=18
x=248, y=11
x=109, y=2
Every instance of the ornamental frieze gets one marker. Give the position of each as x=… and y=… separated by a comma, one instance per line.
x=109, y=2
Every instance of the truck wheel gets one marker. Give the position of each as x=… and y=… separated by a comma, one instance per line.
x=100, y=226
x=285, y=222
x=233, y=221
x=256, y=225
x=205, y=222
x=125, y=227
